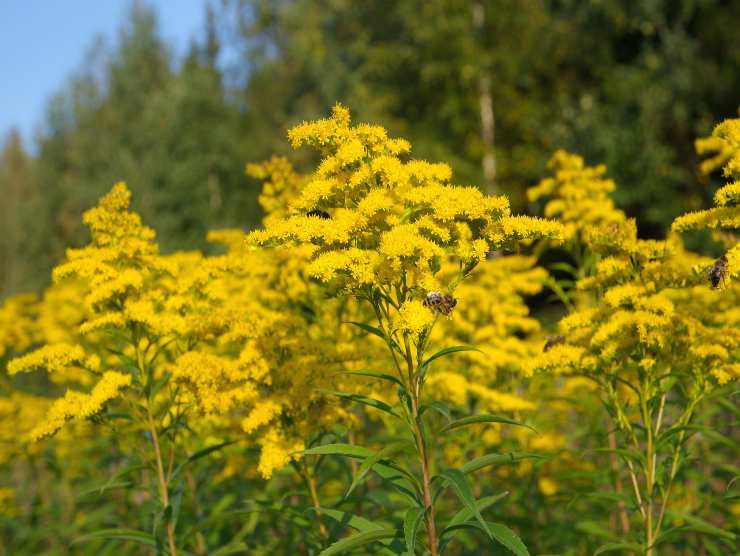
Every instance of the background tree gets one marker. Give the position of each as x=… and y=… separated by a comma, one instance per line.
x=496, y=84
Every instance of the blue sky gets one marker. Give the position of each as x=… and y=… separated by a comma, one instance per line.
x=43, y=41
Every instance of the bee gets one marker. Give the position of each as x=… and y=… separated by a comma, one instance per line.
x=717, y=271
x=318, y=213
x=441, y=302
x=552, y=341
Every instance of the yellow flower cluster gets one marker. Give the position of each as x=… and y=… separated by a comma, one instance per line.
x=414, y=318
x=373, y=217
x=17, y=331
x=578, y=195
x=53, y=358
x=75, y=405
x=633, y=312
x=493, y=316
x=725, y=215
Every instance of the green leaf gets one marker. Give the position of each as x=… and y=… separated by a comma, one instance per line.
x=462, y=488
x=667, y=434
x=364, y=400
x=484, y=418
x=446, y=351
x=611, y=497
x=349, y=450
x=376, y=332
x=157, y=386
x=114, y=482
x=411, y=523
x=121, y=474
x=368, y=328
x=371, y=461
x=564, y=267
x=118, y=534
x=438, y=406
x=698, y=525
x=358, y=540
x=508, y=538
x=618, y=546
x=722, y=439
x=465, y=514
x=593, y=528
x=634, y=455
x=497, y=532
x=493, y=459
x=356, y=522
x=231, y=548
x=112, y=486
x=199, y=454
x=375, y=374
x=401, y=479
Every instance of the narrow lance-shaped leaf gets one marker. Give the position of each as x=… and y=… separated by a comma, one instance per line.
x=376, y=332
x=200, y=454
x=508, y=538
x=349, y=450
x=618, y=547
x=477, y=419
x=411, y=523
x=355, y=521
x=375, y=374
x=494, y=459
x=460, y=485
x=118, y=534
x=465, y=514
x=370, y=461
x=358, y=540
x=447, y=351
x=364, y=400
x=499, y=533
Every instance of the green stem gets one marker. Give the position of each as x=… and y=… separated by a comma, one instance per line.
x=164, y=494
x=684, y=420
x=311, y=481
x=426, y=483
x=649, y=474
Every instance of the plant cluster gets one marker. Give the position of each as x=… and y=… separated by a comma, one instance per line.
x=364, y=374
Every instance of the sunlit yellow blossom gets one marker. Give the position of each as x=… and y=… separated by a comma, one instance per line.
x=54, y=358
x=578, y=195
x=727, y=373
x=383, y=217
x=725, y=214
x=76, y=405
x=548, y=486
x=276, y=452
x=413, y=317
x=17, y=328
x=561, y=357
x=262, y=413
x=217, y=383
x=728, y=195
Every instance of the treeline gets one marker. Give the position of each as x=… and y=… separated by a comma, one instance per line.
x=494, y=87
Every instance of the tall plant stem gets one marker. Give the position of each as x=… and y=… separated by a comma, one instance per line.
x=201, y=547
x=414, y=388
x=426, y=479
x=623, y=517
x=426, y=482
x=684, y=420
x=164, y=494
x=311, y=480
x=650, y=458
